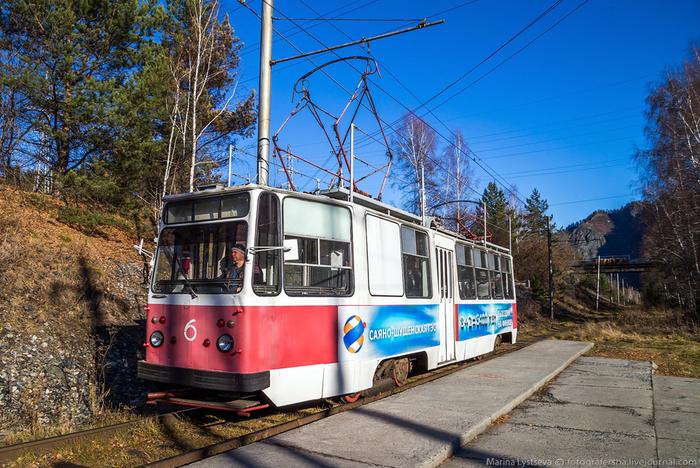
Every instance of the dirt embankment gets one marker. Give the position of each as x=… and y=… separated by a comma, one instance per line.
x=71, y=323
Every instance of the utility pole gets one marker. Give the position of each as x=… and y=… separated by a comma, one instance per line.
x=352, y=160
x=422, y=191
x=264, y=87
x=624, y=296
x=617, y=280
x=597, y=286
x=230, y=159
x=510, y=233
x=551, y=269
x=484, y=223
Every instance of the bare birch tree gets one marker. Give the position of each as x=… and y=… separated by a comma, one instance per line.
x=671, y=182
x=414, y=146
x=203, y=63
x=457, y=182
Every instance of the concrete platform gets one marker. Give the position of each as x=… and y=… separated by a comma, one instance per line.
x=598, y=412
x=677, y=412
x=421, y=426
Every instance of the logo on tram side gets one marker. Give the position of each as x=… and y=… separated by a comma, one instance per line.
x=385, y=330
x=354, y=331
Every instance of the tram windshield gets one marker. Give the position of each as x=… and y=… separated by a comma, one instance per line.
x=197, y=258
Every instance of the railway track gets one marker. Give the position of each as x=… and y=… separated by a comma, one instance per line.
x=12, y=452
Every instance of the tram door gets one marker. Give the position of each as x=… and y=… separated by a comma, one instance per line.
x=446, y=289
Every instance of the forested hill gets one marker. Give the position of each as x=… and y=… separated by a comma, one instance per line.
x=614, y=232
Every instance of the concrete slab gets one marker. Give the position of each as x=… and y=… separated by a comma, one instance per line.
x=424, y=425
x=592, y=380
x=678, y=425
x=598, y=412
x=611, y=362
x=551, y=446
x=678, y=450
x=677, y=394
x=599, y=396
x=630, y=421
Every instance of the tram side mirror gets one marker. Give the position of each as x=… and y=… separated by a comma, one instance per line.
x=291, y=250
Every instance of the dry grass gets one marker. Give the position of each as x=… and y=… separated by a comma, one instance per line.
x=150, y=440
x=648, y=335
x=107, y=417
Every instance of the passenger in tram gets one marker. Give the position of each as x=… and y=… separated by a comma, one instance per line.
x=177, y=256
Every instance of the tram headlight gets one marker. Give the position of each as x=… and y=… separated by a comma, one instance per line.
x=156, y=339
x=224, y=343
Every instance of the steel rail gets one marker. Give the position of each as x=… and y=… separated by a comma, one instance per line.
x=11, y=452
x=257, y=436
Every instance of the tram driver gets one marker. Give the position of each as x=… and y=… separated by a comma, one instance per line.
x=233, y=267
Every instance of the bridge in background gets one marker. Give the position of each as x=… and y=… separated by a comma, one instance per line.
x=616, y=264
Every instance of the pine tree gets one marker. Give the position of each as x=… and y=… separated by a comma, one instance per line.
x=498, y=211
x=72, y=62
x=535, y=215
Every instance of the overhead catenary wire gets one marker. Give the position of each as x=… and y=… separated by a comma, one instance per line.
x=488, y=57
x=573, y=202
x=470, y=153
x=389, y=94
x=360, y=20
x=528, y=44
x=503, y=182
x=473, y=156
x=523, y=133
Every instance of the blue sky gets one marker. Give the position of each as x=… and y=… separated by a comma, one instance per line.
x=564, y=115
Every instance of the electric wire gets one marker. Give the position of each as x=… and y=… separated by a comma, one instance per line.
x=485, y=59
x=528, y=44
x=363, y=20
x=573, y=202
x=390, y=126
x=473, y=156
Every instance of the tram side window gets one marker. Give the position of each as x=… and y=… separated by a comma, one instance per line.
x=483, y=290
x=318, y=250
x=416, y=263
x=267, y=259
x=465, y=272
x=495, y=276
x=507, y=278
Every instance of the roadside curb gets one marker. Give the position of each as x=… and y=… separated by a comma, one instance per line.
x=485, y=423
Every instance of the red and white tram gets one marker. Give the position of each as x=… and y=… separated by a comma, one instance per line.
x=334, y=296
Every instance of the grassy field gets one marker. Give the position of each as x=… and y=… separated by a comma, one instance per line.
x=649, y=335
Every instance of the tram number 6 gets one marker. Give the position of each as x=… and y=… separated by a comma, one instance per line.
x=190, y=331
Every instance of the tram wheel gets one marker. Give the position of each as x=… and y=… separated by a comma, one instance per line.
x=401, y=369
x=351, y=398
x=498, y=342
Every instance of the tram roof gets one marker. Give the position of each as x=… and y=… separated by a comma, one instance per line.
x=338, y=193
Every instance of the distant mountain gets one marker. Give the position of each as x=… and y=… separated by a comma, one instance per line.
x=614, y=232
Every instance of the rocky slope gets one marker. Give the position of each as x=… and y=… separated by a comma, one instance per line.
x=615, y=232
x=71, y=324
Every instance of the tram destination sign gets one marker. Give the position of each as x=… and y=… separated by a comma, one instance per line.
x=475, y=320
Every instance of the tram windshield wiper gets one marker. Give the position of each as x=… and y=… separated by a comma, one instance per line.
x=185, y=281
